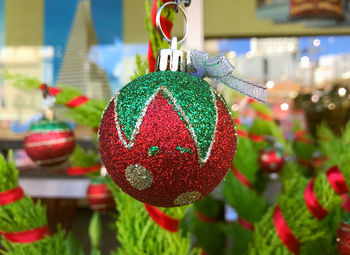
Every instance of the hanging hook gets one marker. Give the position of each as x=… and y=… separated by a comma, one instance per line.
x=158, y=24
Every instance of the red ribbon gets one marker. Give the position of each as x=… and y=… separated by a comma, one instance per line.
x=241, y=178
x=168, y=223
x=265, y=116
x=10, y=196
x=346, y=203
x=75, y=102
x=166, y=26
x=336, y=180
x=284, y=232
x=151, y=58
x=256, y=138
x=78, y=101
x=306, y=163
x=251, y=101
x=83, y=170
x=300, y=137
x=205, y=218
x=246, y=224
x=52, y=90
x=311, y=201
x=242, y=133
x=28, y=236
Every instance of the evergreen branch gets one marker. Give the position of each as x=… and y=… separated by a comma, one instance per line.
x=8, y=173
x=83, y=158
x=139, y=235
x=142, y=67
x=52, y=245
x=241, y=197
x=304, y=226
x=24, y=215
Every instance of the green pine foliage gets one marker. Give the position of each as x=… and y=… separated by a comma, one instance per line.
x=242, y=198
x=141, y=67
x=24, y=215
x=8, y=173
x=83, y=158
x=264, y=127
x=88, y=114
x=138, y=234
x=21, y=81
x=332, y=146
x=210, y=236
x=304, y=150
x=95, y=229
x=305, y=227
x=53, y=245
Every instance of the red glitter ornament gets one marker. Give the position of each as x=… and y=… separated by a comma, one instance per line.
x=271, y=160
x=182, y=143
x=99, y=196
x=49, y=142
x=343, y=237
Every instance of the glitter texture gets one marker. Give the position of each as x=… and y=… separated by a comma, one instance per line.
x=44, y=125
x=183, y=150
x=153, y=151
x=49, y=142
x=138, y=177
x=187, y=198
x=193, y=95
x=174, y=171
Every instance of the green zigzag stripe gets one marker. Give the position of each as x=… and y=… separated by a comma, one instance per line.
x=49, y=125
x=192, y=94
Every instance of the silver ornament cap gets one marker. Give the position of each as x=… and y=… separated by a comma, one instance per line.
x=171, y=59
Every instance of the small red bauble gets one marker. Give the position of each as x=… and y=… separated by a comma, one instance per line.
x=271, y=160
x=167, y=139
x=49, y=142
x=99, y=196
x=343, y=239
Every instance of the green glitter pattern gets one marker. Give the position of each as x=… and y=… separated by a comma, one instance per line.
x=192, y=94
x=153, y=151
x=183, y=150
x=45, y=125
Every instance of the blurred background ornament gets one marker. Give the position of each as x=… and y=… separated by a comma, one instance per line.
x=271, y=159
x=99, y=196
x=49, y=142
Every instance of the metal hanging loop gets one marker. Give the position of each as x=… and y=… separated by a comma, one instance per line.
x=159, y=26
x=186, y=3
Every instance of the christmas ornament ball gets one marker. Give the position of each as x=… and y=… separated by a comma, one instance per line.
x=343, y=237
x=167, y=139
x=271, y=160
x=49, y=142
x=99, y=196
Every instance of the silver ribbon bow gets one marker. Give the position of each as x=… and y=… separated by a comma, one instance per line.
x=220, y=69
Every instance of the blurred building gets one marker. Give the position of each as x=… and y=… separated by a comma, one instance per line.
x=269, y=59
x=332, y=67
x=77, y=70
x=25, y=60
